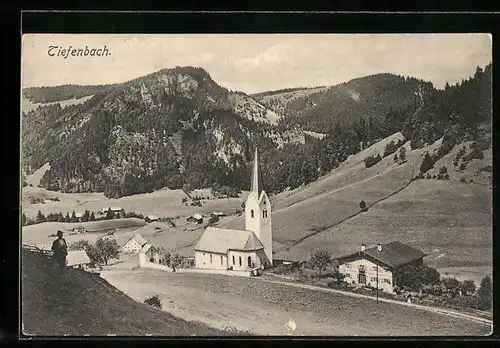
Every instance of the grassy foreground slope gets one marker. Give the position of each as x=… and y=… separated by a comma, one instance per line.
x=89, y=305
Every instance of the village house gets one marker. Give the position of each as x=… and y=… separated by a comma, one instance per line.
x=80, y=229
x=78, y=259
x=151, y=218
x=379, y=264
x=247, y=249
x=134, y=244
x=196, y=219
x=117, y=211
x=152, y=253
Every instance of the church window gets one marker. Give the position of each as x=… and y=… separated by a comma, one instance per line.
x=264, y=213
x=249, y=261
x=210, y=258
x=251, y=213
x=221, y=262
x=234, y=263
x=240, y=260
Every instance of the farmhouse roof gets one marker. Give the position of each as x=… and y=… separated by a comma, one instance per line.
x=394, y=254
x=147, y=247
x=78, y=215
x=152, y=217
x=77, y=257
x=139, y=239
x=196, y=216
x=220, y=240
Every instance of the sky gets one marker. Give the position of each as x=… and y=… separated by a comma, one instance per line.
x=254, y=63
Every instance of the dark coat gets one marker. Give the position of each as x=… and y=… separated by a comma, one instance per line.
x=60, y=248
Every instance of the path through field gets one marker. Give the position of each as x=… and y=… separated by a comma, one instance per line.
x=263, y=308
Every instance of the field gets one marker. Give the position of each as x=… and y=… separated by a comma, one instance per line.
x=250, y=304
x=86, y=304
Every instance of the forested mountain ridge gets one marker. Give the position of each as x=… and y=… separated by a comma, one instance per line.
x=169, y=128
x=178, y=127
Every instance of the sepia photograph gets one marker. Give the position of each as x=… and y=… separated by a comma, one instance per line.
x=334, y=185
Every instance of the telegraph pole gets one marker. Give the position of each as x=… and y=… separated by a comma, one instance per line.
x=377, y=283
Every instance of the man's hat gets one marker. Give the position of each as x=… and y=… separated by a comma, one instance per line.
x=59, y=232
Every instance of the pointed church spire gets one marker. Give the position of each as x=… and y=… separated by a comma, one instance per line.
x=256, y=175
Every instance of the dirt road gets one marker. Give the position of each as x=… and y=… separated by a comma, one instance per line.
x=263, y=308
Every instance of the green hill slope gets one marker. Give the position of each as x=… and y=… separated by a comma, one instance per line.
x=89, y=305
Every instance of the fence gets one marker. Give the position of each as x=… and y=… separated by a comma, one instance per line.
x=35, y=249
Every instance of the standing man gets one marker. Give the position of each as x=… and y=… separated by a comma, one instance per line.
x=60, y=249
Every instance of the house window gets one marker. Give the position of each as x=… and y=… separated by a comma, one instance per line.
x=240, y=260
x=348, y=275
x=374, y=268
x=361, y=267
x=249, y=261
x=388, y=281
x=210, y=258
x=264, y=213
x=221, y=262
x=233, y=261
x=347, y=265
x=251, y=213
x=373, y=279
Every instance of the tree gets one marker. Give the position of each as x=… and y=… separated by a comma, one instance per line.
x=451, y=284
x=320, y=260
x=86, y=216
x=92, y=217
x=402, y=154
x=60, y=217
x=395, y=158
x=415, y=277
x=80, y=245
x=40, y=217
x=23, y=220
x=67, y=218
x=109, y=214
x=443, y=170
x=427, y=163
x=468, y=287
x=107, y=249
x=485, y=294
x=362, y=205
x=73, y=217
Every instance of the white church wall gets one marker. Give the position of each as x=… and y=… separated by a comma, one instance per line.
x=243, y=255
x=209, y=260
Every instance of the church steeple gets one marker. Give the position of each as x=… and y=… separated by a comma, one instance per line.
x=256, y=175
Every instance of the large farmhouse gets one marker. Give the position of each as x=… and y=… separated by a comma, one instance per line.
x=230, y=249
x=379, y=264
x=134, y=244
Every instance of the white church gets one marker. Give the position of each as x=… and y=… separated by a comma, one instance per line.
x=241, y=250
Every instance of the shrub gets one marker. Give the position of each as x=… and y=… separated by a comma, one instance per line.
x=446, y=176
x=370, y=161
x=428, y=176
x=471, y=180
x=462, y=179
x=434, y=176
x=362, y=206
x=443, y=170
x=153, y=301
